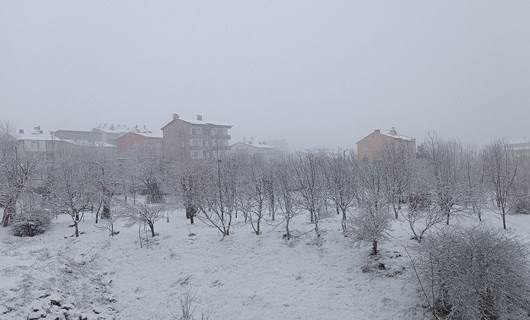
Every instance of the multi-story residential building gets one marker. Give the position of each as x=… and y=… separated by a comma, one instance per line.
x=371, y=147
x=185, y=139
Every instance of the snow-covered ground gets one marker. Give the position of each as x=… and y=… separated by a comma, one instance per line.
x=243, y=276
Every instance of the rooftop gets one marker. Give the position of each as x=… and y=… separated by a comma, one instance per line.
x=36, y=134
x=198, y=120
x=259, y=145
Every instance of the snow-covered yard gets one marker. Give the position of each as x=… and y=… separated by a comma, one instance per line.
x=243, y=276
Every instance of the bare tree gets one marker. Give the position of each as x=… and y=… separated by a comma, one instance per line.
x=502, y=167
x=340, y=172
x=71, y=190
x=475, y=188
x=423, y=211
x=150, y=174
x=218, y=205
x=16, y=170
x=286, y=191
x=270, y=188
x=373, y=222
x=192, y=183
x=445, y=161
x=307, y=172
x=141, y=213
x=396, y=164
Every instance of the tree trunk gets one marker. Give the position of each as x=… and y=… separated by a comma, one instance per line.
x=344, y=227
x=287, y=233
x=9, y=212
x=152, y=228
x=503, y=218
x=396, y=213
x=105, y=214
x=374, y=248
x=76, y=225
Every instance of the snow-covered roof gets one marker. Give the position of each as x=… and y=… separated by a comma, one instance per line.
x=523, y=140
x=199, y=120
x=397, y=136
x=40, y=135
x=148, y=134
x=113, y=128
x=85, y=143
x=259, y=145
x=35, y=135
x=520, y=144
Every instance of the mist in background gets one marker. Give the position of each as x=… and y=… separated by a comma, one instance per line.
x=317, y=73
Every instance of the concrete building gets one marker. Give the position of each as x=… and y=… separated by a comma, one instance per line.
x=371, y=147
x=107, y=133
x=194, y=139
x=256, y=148
x=143, y=144
x=47, y=145
x=39, y=143
x=520, y=146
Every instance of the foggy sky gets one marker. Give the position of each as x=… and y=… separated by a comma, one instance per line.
x=318, y=73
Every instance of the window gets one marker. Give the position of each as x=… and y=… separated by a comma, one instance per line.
x=214, y=131
x=196, y=131
x=195, y=155
x=196, y=142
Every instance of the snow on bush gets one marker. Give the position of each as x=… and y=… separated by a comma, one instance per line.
x=475, y=273
x=30, y=223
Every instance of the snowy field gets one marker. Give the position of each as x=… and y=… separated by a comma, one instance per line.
x=241, y=277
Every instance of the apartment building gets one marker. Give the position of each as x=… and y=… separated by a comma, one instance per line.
x=194, y=139
x=371, y=147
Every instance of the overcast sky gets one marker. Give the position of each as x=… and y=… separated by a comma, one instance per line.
x=318, y=73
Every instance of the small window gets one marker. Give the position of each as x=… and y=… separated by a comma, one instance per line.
x=196, y=142
x=198, y=154
x=196, y=131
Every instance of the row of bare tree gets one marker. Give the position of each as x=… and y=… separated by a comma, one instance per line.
x=442, y=180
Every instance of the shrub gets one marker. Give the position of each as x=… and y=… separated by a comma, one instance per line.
x=30, y=223
x=521, y=205
x=475, y=273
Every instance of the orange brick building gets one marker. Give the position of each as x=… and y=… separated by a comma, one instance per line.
x=371, y=147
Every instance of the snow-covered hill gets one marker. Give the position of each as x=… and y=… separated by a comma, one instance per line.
x=243, y=276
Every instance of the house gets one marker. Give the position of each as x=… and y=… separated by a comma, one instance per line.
x=46, y=144
x=194, y=139
x=140, y=143
x=372, y=146
x=107, y=133
x=520, y=146
x=38, y=143
x=256, y=148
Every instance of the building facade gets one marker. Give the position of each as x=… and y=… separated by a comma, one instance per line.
x=520, y=146
x=46, y=145
x=198, y=139
x=142, y=144
x=372, y=146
